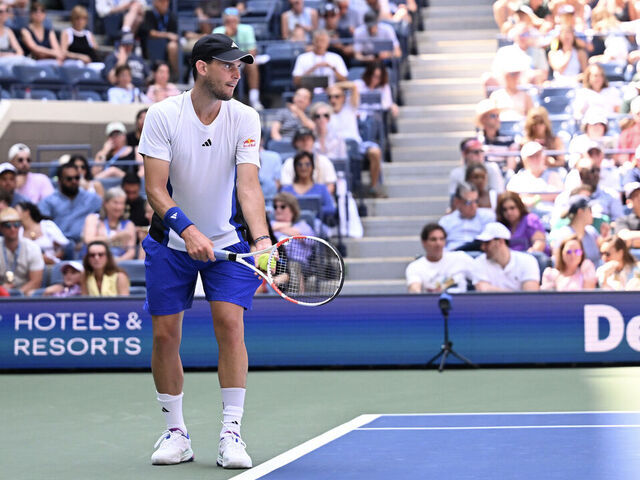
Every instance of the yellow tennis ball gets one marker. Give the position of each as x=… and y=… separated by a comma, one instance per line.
x=263, y=262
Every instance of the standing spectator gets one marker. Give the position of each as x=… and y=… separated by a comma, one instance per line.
x=21, y=264
x=438, y=270
x=8, y=175
x=299, y=22
x=77, y=43
x=327, y=141
x=161, y=23
x=527, y=231
x=572, y=271
x=135, y=204
x=11, y=53
x=133, y=137
x=123, y=54
x=293, y=116
x=108, y=161
x=245, y=38
x=627, y=227
x=160, y=87
x=473, y=153
x=43, y=231
x=124, y=92
x=69, y=206
x=375, y=78
x=537, y=128
x=620, y=270
x=566, y=58
x=367, y=38
x=102, y=277
x=128, y=12
x=467, y=221
x=319, y=61
x=501, y=269
x=33, y=186
x=39, y=41
x=71, y=285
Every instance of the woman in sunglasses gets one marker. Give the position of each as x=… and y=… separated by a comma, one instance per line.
x=572, y=271
x=102, y=277
x=620, y=270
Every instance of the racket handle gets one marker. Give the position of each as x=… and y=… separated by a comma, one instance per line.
x=222, y=254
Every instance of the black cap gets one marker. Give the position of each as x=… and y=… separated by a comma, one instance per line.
x=577, y=202
x=303, y=132
x=219, y=47
x=370, y=18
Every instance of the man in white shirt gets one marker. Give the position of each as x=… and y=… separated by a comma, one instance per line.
x=320, y=62
x=438, y=270
x=500, y=269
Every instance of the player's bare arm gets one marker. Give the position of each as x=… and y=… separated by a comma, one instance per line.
x=199, y=247
x=252, y=203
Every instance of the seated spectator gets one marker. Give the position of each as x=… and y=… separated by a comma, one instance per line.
x=86, y=177
x=500, y=269
x=344, y=123
x=43, y=231
x=102, y=277
x=525, y=42
x=133, y=137
x=319, y=61
x=566, y=58
x=393, y=11
x=8, y=174
x=111, y=227
x=595, y=127
x=293, y=116
x=596, y=93
x=537, y=185
x=71, y=285
x=78, y=44
x=32, y=186
x=350, y=16
x=572, y=271
x=438, y=270
x=21, y=265
x=124, y=54
x=11, y=53
x=620, y=270
x=473, y=153
x=160, y=87
x=39, y=41
x=537, y=128
x=630, y=137
x=527, y=231
x=323, y=172
x=304, y=185
x=298, y=23
x=135, y=202
x=69, y=206
x=476, y=175
x=108, y=161
x=286, y=217
x=366, y=40
x=487, y=122
x=467, y=221
x=375, y=78
x=129, y=12
x=513, y=103
x=580, y=224
x=245, y=38
x=627, y=227
x=631, y=170
x=208, y=11
x=270, y=172
x=327, y=141
x=161, y=23
x=330, y=21
x=124, y=92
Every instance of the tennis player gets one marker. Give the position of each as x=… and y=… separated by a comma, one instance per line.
x=201, y=160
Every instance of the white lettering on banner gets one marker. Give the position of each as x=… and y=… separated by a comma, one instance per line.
x=592, y=341
x=76, y=321
x=77, y=346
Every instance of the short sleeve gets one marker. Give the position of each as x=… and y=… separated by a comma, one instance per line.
x=549, y=277
x=411, y=273
x=480, y=270
x=530, y=268
x=34, y=257
x=248, y=139
x=54, y=233
x=286, y=174
x=155, y=140
x=299, y=66
x=341, y=67
x=588, y=270
x=534, y=224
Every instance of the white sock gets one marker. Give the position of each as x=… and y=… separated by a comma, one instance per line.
x=126, y=29
x=172, y=409
x=254, y=95
x=232, y=408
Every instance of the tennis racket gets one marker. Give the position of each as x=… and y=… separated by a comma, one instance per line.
x=302, y=269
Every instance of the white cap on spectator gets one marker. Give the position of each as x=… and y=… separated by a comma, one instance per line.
x=591, y=145
x=494, y=230
x=594, y=117
x=566, y=9
x=530, y=148
x=515, y=62
x=635, y=106
x=485, y=106
x=7, y=167
x=18, y=148
x=75, y=264
x=64, y=158
x=631, y=187
x=115, y=127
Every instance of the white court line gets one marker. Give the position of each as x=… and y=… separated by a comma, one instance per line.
x=495, y=427
x=302, y=449
x=502, y=413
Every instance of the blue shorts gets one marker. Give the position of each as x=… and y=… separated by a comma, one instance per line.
x=171, y=277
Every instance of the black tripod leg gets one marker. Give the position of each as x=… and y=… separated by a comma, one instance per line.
x=435, y=357
x=464, y=359
x=444, y=359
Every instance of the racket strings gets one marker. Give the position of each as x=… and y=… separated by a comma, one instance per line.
x=308, y=271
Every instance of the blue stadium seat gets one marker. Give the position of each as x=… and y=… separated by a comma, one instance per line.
x=137, y=290
x=277, y=73
x=280, y=146
x=556, y=105
x=55, y=275
x=82, y=76
x=110, y=182
x=320, y=97
x=512, y=127
x=36, y=94
x=614, y=71
x=355, y=73
x=88, y=96
x=156, y=49
x=6, y=76
x=38, y=74
x=135, y=271
x=312, y=203
x=371, y=98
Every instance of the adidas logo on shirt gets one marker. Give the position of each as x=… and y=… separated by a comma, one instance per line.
x=207, y=143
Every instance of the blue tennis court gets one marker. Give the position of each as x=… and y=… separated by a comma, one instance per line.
x=563, y=445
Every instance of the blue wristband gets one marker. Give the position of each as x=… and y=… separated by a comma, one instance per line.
x=176, y=220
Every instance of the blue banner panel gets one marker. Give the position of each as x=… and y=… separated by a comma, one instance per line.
x=535, y=328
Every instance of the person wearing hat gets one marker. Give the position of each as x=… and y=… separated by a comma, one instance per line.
x=629, y=138
x=8, y=182
x=500, y=269
x=367, y=37
x=245, y=38
x=627, y=226
x=124, y=54
x=487, y=122
x=595, y=126
x=71, y=281
x=33, y=186
x=473, y=152
x=294, y=115
x=108, y=160
x=512, y=102
x=21, y=262
x=210, y=145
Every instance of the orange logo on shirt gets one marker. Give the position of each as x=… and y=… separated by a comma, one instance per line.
x=249, y=142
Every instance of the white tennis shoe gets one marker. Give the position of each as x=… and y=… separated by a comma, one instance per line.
x=173, y=447
x=232, y=451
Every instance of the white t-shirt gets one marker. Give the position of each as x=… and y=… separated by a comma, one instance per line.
x=202, y=175
x=308, y=59
x=323, y=172
x=345, y=122
x=453, y=266
x=521, y=268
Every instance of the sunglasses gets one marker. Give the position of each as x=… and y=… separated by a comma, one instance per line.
x=574, y=251
x=71, y=179
x=321, y=115
x=304, y=164
x=96, y=254
x=477, y=152
x=11, y=224
x=23, y=159
x=339, y=95
x=470, y=202
x=280, y=206
x=492, y=115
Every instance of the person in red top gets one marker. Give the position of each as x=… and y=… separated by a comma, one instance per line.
x=630, y=137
